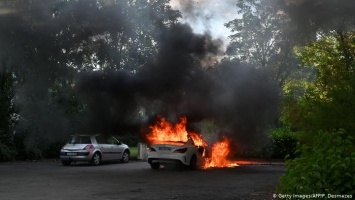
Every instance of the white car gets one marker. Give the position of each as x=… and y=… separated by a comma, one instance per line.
x=94, y=149
x=181, y=153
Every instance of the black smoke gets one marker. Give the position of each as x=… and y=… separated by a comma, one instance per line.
x=311, y=16
x=242, y=100
x=162, y=86
x=43, y=38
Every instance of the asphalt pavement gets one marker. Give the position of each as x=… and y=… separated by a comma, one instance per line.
x=135, y=181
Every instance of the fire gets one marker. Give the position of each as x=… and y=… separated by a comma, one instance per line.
x=165, y=132
x=220, y=151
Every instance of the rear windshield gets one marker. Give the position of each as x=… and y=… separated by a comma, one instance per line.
x=78, y=139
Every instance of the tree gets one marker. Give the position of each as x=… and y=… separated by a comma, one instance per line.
x=263, y=37
x=324, y=116
x=50, y=42
x=7, y=111
x=328, y=101
x=111, y=35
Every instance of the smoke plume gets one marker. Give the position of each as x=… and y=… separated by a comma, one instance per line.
x=314, y=15
x=240, y=98
x=51, y=45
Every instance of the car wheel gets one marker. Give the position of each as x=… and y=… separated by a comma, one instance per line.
x=96, y=159
x=125, y=157
x=155, y=165
x=193, y=162
x=66, y=162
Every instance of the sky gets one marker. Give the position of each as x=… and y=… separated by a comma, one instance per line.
x=208, y=15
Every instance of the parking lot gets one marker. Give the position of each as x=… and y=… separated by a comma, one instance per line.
x=134, y=180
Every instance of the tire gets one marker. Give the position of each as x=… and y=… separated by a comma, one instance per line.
x=96, y=159
x=155, y=165
x=193, y=162
x=125, y=157
x=66, y=162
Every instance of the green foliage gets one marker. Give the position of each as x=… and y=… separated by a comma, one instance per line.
x=7, y=153
x=328, y=101
x=29, y=146
x=52, y=149
x=284, y=143
x=325, y=161
x=326, y=167
x=262, y=36
x=209, y=130
x=134, y=151
x=56, y=41
x=32, y=146
x=129, y=139
x=7, y=111
x=264, y=152
x=6, y=104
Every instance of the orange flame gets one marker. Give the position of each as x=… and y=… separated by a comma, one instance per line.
x=220, y=151
x=164, y=132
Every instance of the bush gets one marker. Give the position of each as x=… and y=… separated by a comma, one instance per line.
x=53, y=148
x=327, y=167
x=130, y=140
x=262, y=151
x=35, y=147
x=281, y=143
x=7, y=153
x=284, y=143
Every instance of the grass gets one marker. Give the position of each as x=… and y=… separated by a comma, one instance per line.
x=134, y=151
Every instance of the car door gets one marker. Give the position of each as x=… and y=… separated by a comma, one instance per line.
x=104, y=148
x=116, y=148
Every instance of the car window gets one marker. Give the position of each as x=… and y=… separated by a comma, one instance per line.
x=78, y=139
x=111, y=140
x=100, y=140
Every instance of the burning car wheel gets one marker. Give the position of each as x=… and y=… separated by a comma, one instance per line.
x=125, y=157
x=96, y=159
x=155, y=165
x=66, y=162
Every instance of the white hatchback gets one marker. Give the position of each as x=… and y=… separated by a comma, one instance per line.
x=94, y=149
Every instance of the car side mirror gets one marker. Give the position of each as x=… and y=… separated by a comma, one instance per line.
x=119, y=143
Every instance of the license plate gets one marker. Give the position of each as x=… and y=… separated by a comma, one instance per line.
x=165, y=148
x=71, y=154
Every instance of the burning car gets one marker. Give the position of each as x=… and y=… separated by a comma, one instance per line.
x=181, y=153
x=93, y=149
x=174, y=144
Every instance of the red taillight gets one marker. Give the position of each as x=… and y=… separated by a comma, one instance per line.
x=89, y=147
x=183, y=150
x=151, y=149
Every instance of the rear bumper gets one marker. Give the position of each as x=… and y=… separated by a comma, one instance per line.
x=163, y=160
x=80, y=156
x=168, y=158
